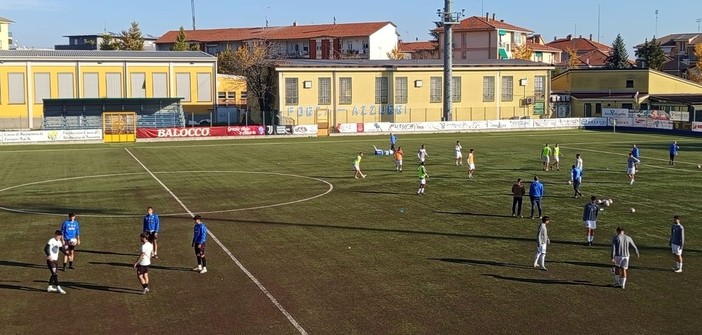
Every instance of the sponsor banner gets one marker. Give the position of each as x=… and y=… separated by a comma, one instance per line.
x=615, y=112
x=661, y=124
x=498, y=124
x=697, y=126
x=521, y=124
x=622, y=122
x=190, y=132
x=346, y=128
x=679, y=116
x=595, y=122
x=244, y=130
x=50, y=135
x=278, y=130
x=305, y=129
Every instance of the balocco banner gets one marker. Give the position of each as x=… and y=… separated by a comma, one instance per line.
x=195, y=132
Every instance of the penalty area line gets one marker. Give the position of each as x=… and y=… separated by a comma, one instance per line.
x=226, y=250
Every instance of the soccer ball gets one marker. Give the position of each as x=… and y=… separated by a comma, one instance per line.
x=611, y=201
x=699, y=166
x=632, y=210
x=73, y=241
x=607, y=203
x=570, y=182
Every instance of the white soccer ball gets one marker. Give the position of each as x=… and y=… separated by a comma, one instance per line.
x=607, y=203
x=699, y=166
x=632, y=210
x=73, y=241
x=570, y=182
x=611, y=201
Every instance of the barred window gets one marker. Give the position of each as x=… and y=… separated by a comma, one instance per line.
x=507, y=88
x=539, y=87
x=488, y=88
x=435, y=89
x=324, y=97
x=455, y=89
x=291, y=91
x=401, y=90
x=381, y=90
x=345, y=91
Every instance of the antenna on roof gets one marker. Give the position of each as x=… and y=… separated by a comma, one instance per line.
x=334, y=19
x=192, y=10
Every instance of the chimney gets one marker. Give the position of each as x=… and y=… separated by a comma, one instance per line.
x=590, y=37
x=581, y=36
x=493, y=16
x=555, y=38
x=487, y=15
x=294, y=23
x=569, y=37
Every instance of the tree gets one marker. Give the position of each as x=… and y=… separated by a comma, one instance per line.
x=651, y=54
x=396, y=54
x=132, y=39
x=618, y=58
x=181, y=43
x=522, y=52
x=255, y=61
x=695, y=74
x=108, y=43
x=573, y=60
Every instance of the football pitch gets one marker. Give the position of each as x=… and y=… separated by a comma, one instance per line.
x=298, y=245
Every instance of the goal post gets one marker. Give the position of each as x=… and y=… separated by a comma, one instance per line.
x=119, y=127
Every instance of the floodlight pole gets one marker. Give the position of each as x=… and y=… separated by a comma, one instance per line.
x=448, y=19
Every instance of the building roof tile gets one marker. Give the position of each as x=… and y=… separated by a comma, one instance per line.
x=102, y=54
x=582, y=45
x=2, y=19
x=479, y=23
x=417, y=46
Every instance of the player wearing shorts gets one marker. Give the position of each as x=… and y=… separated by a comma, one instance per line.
x=635, y=152
x=398, y=155
x=142, y=263
x=546, y=156
x=199, y=242
x=590, y=218
x=52, y=249
x=620, y=256
x=70, y=229
x=677, y=242
x=578, y=162
x=673, y=151
x=542, y=241
x=459, y=154
x=357, y=166
x=152, y=225
x=422, y=154
x=631, y=168
x=556, y=157
x=422, y=174
x=471, y=163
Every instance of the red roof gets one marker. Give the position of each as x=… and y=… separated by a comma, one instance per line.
x=294, y=32
x=542, y=47
x=582, y=45
x=417, y=46
x=480, y=23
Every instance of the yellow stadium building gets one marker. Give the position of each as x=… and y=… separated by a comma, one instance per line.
x=352, y=91
x=27, y=77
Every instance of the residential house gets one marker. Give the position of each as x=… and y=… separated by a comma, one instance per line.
x=419, y=49
x=5, y=34
x=591, y=54
x=368, y=40
x=680, y=52
x=541, y=52
x=93, y=41
x=477, y=38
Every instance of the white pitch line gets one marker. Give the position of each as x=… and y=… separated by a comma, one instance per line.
x=621, y=154
x=226, y=250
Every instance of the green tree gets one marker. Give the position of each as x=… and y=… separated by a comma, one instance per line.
x=108, y=43
x=181, y=43
x=132, y=39
x=618, y=58
x=651, y=54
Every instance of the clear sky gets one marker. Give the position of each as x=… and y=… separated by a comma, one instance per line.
x=42, y=23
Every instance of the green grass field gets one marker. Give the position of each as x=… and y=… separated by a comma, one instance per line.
x=347, y=256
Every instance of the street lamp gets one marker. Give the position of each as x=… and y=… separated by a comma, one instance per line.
x=448, y=20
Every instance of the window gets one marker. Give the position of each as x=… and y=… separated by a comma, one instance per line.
x=291, y=91
x=204, y=87
x=345, y=91
x=231, y=95
x=488, y=88
x=244, y=94
x=324, y=97
x=138, y=85
x=629, y=83
x=114, y=85
x=381, y=90
x=455, y=89
x=159, y=83
x=598, y=109
x=183, y=86
x=221, y=95
x=91, y=86
x=539, y=87
x=401, y=90
x=627, y=106
x=15, y=85
x=65, y=86
x=507, y=88
x=435, y=89
x=42, y=87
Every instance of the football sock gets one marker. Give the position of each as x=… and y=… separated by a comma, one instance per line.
x=70, y=264
x=680, y=266
x=617, y=279
x=536, y=259
x=204, y=262
x=199, y=260
x=623, y=281
x=677, y=265
x=143, y=285
x=542, y=260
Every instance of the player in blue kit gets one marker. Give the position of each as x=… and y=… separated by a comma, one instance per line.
x=673, y=151
x=199, y=241
x=70, y=229
x=152, y=225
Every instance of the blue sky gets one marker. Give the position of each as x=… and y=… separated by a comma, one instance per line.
x=42, y=23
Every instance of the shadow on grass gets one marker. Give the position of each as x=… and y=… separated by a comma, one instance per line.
x=22, y=264
x=383, y=192
x=480, y=262
x=475, y=214
x=152, y=266
x=609, y=265
x=76, y=285
x=103, y=252
x=4, y=286
x=547, y=281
